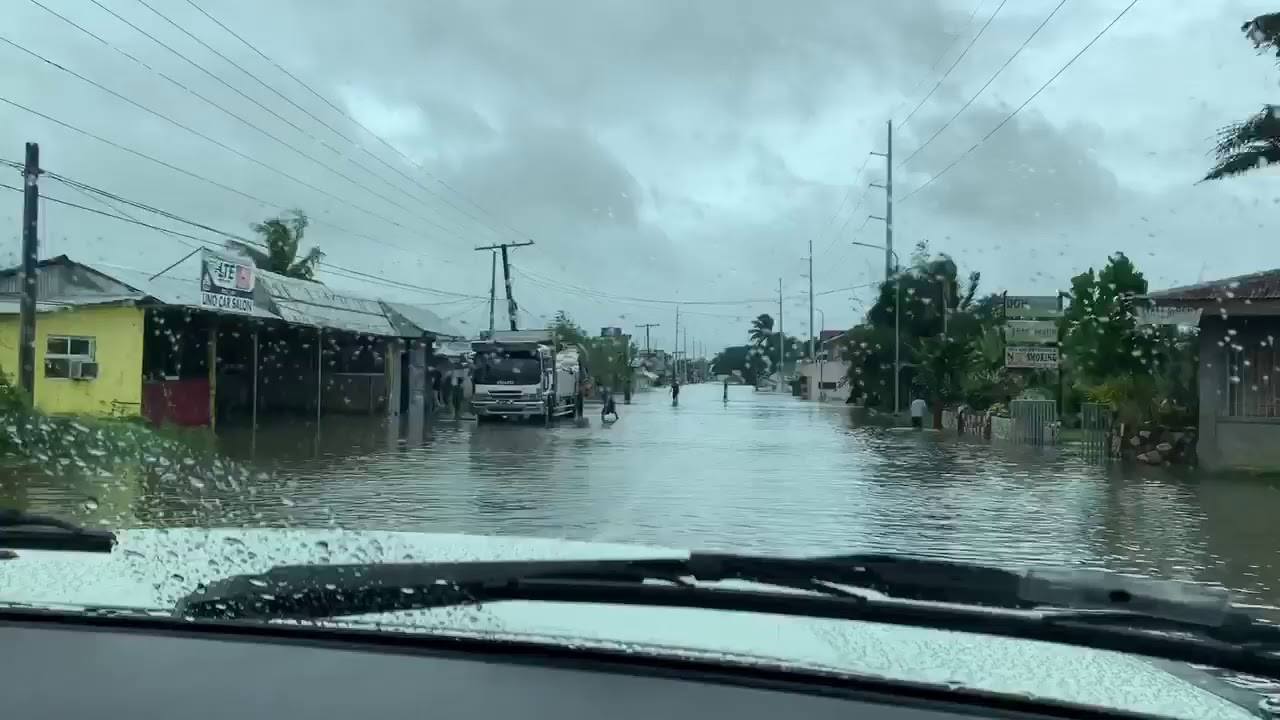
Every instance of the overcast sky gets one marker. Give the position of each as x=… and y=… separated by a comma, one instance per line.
x=675, y=151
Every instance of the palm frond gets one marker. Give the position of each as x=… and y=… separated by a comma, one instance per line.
x=1264, y=32
x=305, y=268
x=1245, y=160
x=259, y=258
x=1262, y=127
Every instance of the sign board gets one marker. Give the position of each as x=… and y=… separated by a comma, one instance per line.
x=1168, y=315
x=1024, y=356
x=226, y=284
x=1028, y=332
x=611, y=332
x=1032, y=306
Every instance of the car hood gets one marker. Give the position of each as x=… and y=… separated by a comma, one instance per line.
x=154, y=568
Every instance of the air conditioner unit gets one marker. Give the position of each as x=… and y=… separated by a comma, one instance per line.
x=83, y=370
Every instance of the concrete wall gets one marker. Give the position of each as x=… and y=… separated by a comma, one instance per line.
x=117, y=332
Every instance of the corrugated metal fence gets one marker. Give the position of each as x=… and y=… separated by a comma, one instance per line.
x=1034, y=421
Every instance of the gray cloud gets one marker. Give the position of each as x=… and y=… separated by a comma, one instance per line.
x=660, y=149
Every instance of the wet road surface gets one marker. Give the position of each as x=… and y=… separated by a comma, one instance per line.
x=762, y=472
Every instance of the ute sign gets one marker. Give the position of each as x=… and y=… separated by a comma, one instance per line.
x=226, y=285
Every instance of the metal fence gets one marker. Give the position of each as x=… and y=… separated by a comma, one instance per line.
x=1095, y=428
x=1034, y=421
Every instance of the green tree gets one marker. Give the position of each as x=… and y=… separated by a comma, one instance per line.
x=281, y=238
x=934, y=301
x=1254, y=142
x=1101, y=334
x=942, y=368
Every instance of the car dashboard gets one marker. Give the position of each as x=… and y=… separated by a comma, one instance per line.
x=150, y=670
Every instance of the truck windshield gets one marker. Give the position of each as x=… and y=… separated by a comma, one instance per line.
x=508, y=371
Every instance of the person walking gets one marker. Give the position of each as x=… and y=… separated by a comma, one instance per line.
x=726, y=388
x=675, y=392
x=457, y=393
x=918, y=409
x=609, y=407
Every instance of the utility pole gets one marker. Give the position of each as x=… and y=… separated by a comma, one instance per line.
x=30, y=254
x=782, y=339
x=646, y=327
x=889, y=261
x=812, y=334
x=675, y=348
x=493, y=286
x=506, y=275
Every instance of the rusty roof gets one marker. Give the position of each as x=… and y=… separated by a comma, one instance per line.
x=1264, y=285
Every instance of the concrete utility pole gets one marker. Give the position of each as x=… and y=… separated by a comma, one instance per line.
x=889, y=262
x=675, y=347
x=782, y=338
x=812, y=335
x=646, y=327
x=30, y=256
x=506, y=275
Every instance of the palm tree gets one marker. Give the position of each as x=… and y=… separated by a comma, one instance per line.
x=281, y=237
x=761, y=328
x=1255, y=142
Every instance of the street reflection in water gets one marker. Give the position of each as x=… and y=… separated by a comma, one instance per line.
x=762, y=472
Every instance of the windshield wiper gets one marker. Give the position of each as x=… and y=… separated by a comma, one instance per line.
x=1091, y=608
x=30, y=531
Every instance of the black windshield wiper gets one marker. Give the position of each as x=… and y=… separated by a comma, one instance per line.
x=1089, y=608
x=29, y=531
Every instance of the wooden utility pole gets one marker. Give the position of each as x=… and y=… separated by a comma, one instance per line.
x=646, y=327
x=30, y=256
x=506, y=275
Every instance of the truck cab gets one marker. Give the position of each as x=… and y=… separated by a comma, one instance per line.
x=520, y=374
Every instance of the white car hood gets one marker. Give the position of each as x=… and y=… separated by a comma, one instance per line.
x=154, y=568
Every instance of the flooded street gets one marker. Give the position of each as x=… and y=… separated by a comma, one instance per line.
x=763, y=472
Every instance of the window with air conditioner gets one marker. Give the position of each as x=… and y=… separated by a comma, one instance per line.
x=71, y=357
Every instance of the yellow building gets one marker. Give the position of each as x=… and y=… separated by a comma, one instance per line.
x=73, y=345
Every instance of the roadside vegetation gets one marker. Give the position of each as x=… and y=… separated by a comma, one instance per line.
x=952, y=346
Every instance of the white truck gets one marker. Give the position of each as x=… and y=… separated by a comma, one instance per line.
x=522, y=374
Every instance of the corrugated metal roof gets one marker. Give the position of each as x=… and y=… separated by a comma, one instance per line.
x=308, y=303
x=421, y=318
x=1263, y=285
x=275, y=297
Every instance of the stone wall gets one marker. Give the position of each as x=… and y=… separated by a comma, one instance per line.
x=1154, y=444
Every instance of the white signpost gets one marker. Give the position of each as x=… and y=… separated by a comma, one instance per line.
x=1030, y=332
x=1032, y=306
x=226, y=284
x=1030, y=356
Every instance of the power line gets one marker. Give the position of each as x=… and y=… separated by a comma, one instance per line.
x=355, y=122
x=953, y=65
x=219, y=143
x=237, y=117
x=856, y=205
x=337, y=269
x=941, y=56
x=308, y=113
x=1026, y=102
x=222, y=186
x=986, y=85
x=354, y=144
x=535, y=278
